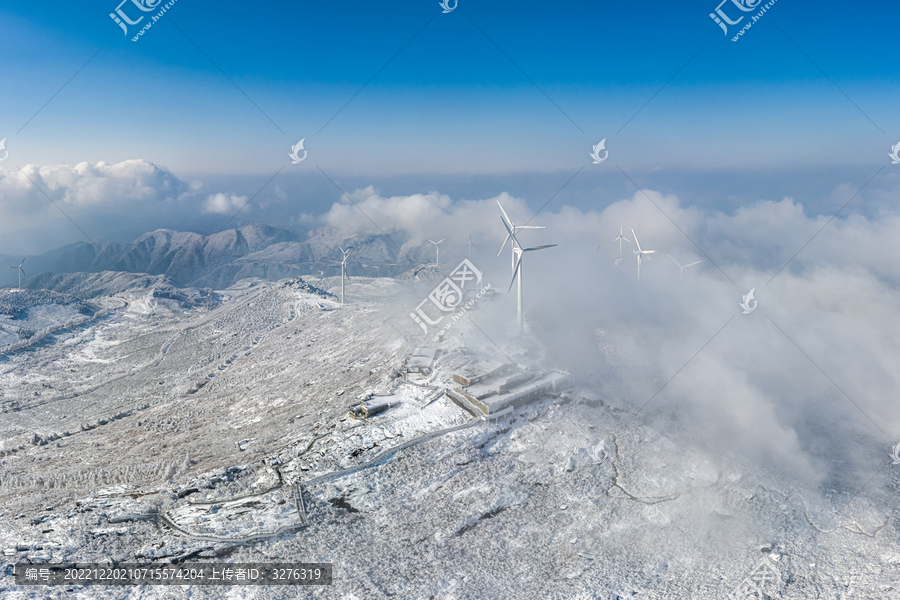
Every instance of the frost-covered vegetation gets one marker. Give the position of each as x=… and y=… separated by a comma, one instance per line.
x=15, y=303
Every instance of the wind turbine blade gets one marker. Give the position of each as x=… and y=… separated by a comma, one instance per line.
x=539, y=247
x=636, y=240
x=531, y=227
x=23, y=271
x=675, y=261
x=442, y=240
x=504, y=212
x=693, y=263
x=501, y=247
x=22, y=263
x=512, y=233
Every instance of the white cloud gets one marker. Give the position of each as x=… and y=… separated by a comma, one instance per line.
x=224, y=204
x=85, y=184
x=97, y=197
x=424, y=216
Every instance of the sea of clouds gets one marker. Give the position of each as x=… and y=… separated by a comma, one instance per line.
x=805, y=384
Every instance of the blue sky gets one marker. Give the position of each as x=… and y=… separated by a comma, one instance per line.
x=740, y=121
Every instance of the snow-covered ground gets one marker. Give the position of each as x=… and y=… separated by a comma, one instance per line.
x=222, y=433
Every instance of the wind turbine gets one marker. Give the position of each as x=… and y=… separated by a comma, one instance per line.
x=619, y=239
x=346, y=254
x=21, y=271
x=685, y=266
x=437, y=246
x=519, y=252
x=512, y=229
x=470, y=244
x=640, y=253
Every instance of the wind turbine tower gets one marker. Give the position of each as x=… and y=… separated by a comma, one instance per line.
x=519, y=253
x=437, y=246
x=21, y=271
x=640, y=253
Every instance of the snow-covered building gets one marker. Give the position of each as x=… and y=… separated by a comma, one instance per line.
x=421, y=361
x=492, y=388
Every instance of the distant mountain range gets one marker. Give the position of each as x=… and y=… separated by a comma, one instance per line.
x=218, y=261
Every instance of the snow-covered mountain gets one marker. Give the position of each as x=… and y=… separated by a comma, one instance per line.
x=218, y=261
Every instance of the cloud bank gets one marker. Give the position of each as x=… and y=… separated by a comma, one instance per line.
x=811, y=369
x=98, y=198
x=224, y=204
x=84, y=184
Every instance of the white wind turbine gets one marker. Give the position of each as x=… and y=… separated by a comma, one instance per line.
x=437, y=246
x=519, y=252
x=619, y=239
x=512, y=229
x=346, y=254
x=470, y=244
x=345, y=272
x=21, y=272
x=685, y=266
x=640, y=253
